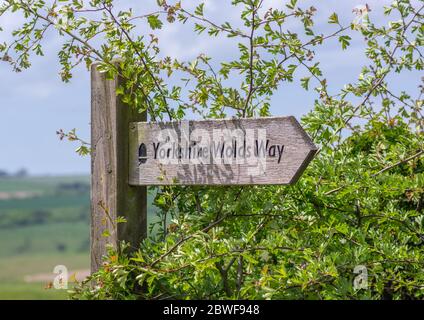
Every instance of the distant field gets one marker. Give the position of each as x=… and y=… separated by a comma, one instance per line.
x=47, y=238
x=44, y=184
x=14, y=269
x=47, y=227
x=46, y=201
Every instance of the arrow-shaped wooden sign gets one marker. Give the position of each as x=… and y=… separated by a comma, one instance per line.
x=127, y=155
x=219, y=152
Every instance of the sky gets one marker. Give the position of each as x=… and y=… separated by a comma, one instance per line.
x=34, y=104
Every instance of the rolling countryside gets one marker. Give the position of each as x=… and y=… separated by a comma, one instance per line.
x=44, y=222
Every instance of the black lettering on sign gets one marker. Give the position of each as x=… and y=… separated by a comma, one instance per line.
x=142, y=154
x=260, y=151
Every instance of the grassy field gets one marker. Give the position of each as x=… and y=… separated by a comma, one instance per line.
x=46, y=202
x=14, y=269
x=47, y=238
x=47, y=226
x=45, y=184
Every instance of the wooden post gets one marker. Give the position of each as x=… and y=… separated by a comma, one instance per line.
x=111, y=195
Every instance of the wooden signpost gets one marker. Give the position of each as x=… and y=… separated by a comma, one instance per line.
x=219, y=152
x=129, y=154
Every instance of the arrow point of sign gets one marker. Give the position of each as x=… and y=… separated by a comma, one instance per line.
x=308, y=141
x=313, y=149
x=304, y=165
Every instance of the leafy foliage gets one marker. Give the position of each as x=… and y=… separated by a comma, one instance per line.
x=359, y=203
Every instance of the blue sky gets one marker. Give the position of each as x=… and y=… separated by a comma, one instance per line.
x=35, y=103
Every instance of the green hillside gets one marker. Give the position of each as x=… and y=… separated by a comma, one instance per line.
x=44, y=222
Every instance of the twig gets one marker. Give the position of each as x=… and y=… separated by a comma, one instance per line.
x=179, y=243
x=143, y=61
x=237, y=32
x=251, y=43
x=399, y=163
x=382, y=170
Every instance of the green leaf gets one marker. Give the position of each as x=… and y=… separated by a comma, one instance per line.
x=292, y=4
x=334, y=18
x=213, y=32
x=199, y=28
x=82, y=150
x=199, y=9
x=121, y=219
x=305, y=82
x=154, y=22
x=106, y=234
x=345, y=41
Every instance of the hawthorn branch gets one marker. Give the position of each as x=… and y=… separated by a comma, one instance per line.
x=229, y=253
x=183, y=240
x=214, y=25
x=217, y=221
x=382, y=77
x=142, y=59
x=86, y=44
x=417, y=155
x=252, y=51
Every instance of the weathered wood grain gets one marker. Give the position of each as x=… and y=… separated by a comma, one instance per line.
x=111, y=195
x=283, y=133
